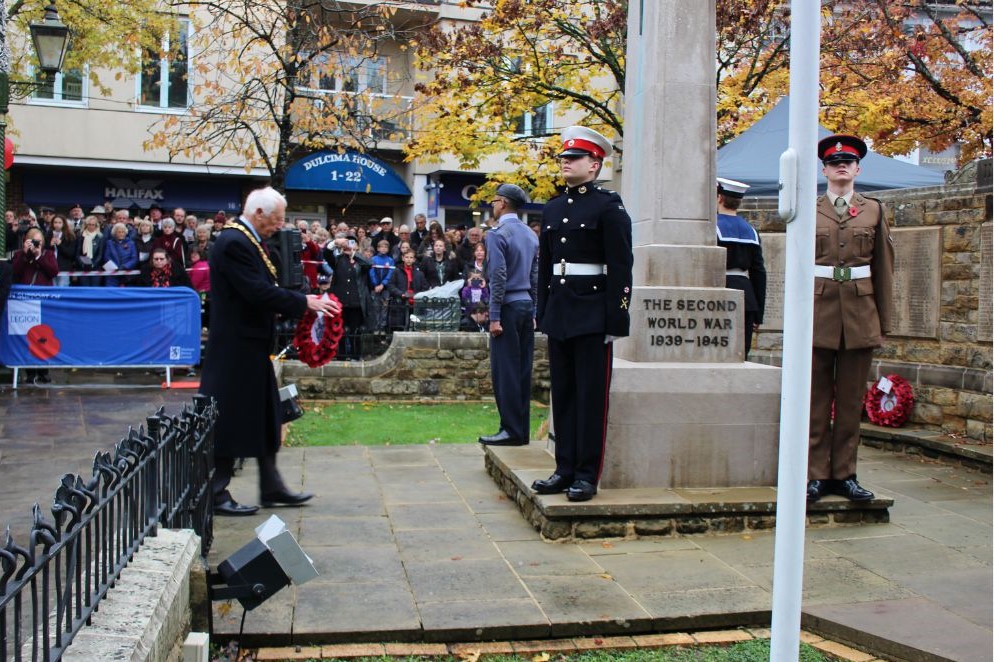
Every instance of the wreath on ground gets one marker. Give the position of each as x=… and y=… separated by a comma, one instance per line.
x=317, y=336
x=890, y=407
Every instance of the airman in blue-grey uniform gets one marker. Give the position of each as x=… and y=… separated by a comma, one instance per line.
x=584, y=295
x=512, y=272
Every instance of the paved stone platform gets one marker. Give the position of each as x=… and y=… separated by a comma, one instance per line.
x=418, y=544
x=654, y=512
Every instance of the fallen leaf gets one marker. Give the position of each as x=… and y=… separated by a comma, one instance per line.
x=224, y=608
x=455, y=558
x=471, y=656
x=541, y=657
x=747, y=537
x=606, y=576
x=607, y=545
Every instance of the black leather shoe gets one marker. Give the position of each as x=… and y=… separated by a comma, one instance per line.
x=285, y=498
x=502, y=438
x=232, y=508
x=554, y=484
x=581, y=490
x=817, y=489
x=852, y=490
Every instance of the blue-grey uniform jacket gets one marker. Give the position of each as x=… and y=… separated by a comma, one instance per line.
x=586, y=224
x=512, y=267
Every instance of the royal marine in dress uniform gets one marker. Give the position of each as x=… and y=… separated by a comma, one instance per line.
x=854, y=265
x=584, y=295
x=744, y=269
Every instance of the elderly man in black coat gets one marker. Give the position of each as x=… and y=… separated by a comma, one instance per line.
x=237, y=372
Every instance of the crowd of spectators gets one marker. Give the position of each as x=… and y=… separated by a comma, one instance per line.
x=375, y=269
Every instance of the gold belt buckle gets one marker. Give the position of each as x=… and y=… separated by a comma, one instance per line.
x=842, y=274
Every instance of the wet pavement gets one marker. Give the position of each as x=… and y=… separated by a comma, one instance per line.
x=416, y=543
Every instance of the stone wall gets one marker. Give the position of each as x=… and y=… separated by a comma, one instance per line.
x=417, y=366
x=943, y=292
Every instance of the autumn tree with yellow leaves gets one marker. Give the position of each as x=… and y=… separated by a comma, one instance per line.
x=104, y=36
x=271, y=80
x=900, y=86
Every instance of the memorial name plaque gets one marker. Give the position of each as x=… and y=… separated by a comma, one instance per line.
x=917, y=279
x=774, y=247
x=686, y=325
x=985, y=307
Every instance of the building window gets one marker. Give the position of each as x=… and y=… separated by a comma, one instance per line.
x=535, y=123
x=346, y=73
x=64, y=88
x=164, y=81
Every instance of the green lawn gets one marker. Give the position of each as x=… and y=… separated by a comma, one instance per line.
x=381, y=423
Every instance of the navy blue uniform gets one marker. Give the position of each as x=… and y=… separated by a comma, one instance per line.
x=511, y=266
x=744, y=268
x=585, y=225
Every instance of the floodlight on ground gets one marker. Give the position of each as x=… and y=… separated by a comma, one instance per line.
x=263, y=566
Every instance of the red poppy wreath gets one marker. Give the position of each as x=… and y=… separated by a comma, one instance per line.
x=317, y=336
x=891, y=409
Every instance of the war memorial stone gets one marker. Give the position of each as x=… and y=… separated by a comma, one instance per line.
x=917, y=278
x=984, y=308
x=686, y=411
x=917, y=281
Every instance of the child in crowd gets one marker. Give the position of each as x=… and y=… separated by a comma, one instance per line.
x=475, y=291
x=379, y=277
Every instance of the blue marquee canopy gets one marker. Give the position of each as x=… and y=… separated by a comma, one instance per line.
x=754, y=159
x=345, y=172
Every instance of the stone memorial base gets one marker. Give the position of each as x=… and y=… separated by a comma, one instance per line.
x=653, y=512
x=692, y=425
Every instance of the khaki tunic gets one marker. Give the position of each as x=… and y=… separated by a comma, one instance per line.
x=850, y=319
x=858, y=310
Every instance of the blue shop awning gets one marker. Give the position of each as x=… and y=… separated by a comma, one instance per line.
x=345, y=172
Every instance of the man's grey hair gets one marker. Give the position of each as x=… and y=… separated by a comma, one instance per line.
x=266, y=199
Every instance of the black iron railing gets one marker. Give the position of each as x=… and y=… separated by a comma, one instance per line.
x=159, y=477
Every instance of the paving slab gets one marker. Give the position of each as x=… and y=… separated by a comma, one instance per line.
x=422, y=538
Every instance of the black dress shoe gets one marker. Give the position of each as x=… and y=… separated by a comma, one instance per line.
x=581, y=490
x=554, y=484
x=502, y=438
x=852, y=490
x=817, y=489
x=232, y=508
x=285, y=498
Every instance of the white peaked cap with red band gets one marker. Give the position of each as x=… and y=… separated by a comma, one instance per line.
x=579, y=140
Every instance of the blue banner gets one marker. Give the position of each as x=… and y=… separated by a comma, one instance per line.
x=100, y=326
x=348, y=172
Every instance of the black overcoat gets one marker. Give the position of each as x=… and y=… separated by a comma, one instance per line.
x=237, y=371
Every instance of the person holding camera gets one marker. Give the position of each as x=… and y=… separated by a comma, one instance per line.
x=34, y=264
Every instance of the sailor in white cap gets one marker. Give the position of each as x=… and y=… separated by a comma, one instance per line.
x=584, y=293
x=744, y=268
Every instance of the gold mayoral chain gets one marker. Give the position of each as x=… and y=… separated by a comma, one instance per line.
x=255, y=242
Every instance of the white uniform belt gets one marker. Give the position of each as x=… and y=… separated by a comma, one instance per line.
x=737, y=272
x=578, y=269
x=842, y=274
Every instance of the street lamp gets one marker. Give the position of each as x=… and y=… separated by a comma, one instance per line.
x=51, y=40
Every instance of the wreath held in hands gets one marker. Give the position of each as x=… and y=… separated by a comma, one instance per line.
x=317, y=336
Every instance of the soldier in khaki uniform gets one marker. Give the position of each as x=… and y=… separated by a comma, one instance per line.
x=854, y=264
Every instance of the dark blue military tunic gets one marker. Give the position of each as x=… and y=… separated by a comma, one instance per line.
x=587, y=226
